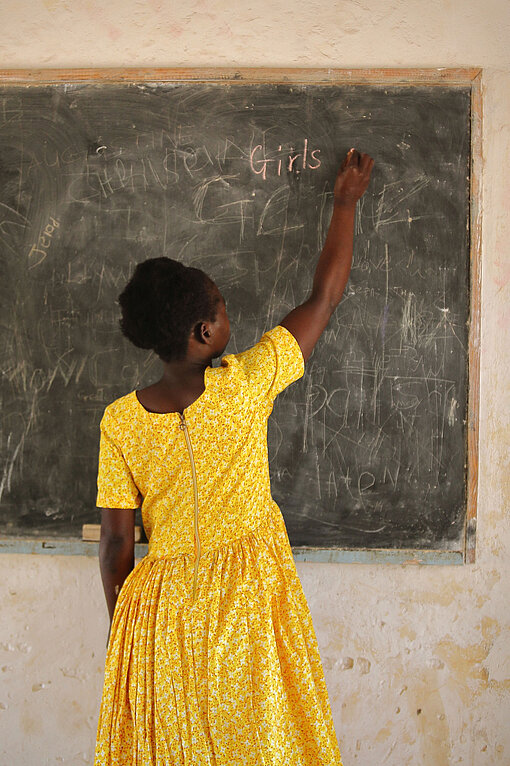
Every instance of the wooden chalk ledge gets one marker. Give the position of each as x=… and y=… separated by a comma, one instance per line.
x=90, y=533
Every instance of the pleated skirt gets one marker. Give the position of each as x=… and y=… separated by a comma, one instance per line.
x=231, y=678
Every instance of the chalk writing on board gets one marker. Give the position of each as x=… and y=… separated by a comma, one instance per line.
x=368, y=449
x=39, y=251
x=291, y=161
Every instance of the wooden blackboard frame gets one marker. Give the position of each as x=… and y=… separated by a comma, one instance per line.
x=471, y=77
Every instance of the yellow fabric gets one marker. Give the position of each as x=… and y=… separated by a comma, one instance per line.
x=233, y=677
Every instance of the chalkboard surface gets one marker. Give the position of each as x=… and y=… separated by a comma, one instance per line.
x=369, y=449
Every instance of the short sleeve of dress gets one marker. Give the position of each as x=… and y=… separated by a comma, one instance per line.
x=115, y=485
x=273, y=363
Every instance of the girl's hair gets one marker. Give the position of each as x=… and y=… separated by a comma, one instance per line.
x=161, y=304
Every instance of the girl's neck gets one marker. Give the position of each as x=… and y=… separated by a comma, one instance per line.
x=183, y=372
x=181, y=384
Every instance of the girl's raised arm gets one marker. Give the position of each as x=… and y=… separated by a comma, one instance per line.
x=307, y=321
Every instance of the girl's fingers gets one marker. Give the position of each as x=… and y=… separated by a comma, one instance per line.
x=356, y=159
x=355, y=169
x=347, y=159
x=366, y=162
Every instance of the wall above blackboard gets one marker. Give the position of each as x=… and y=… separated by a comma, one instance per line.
x=376, y=448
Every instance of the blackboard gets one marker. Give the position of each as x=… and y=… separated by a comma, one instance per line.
x=370, y=449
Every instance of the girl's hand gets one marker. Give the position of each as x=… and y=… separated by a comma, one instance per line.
x=353, y=178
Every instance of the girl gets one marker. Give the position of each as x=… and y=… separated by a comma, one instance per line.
x=212, y=658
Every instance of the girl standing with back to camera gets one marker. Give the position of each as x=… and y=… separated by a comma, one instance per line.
x=212, y=658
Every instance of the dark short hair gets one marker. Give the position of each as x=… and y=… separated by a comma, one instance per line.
x=161, y=304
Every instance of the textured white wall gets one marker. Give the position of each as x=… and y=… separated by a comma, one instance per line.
x=417, y=659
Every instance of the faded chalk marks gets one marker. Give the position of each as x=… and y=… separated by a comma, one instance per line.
x=409, y=321
x=12, y=224
x=452, y=408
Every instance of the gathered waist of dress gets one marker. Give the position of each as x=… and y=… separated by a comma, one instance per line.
x=162, y=549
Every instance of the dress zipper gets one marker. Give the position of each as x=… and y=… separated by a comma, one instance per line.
x=184, y=427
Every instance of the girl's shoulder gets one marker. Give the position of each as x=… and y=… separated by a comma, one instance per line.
x=271, y=364
x=121, y=411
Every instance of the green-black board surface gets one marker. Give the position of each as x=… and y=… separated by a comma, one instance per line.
x=369, y=449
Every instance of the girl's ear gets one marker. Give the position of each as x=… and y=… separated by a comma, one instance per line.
x=201, y=332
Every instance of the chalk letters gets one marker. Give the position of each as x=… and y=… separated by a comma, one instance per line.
x=261, y=163
x=44, y=242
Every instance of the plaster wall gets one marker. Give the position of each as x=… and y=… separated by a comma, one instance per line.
x=417, y=660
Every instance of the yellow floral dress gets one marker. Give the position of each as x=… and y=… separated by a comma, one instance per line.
x=212, y=658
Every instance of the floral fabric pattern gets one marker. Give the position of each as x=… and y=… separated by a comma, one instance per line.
x=227, y=673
